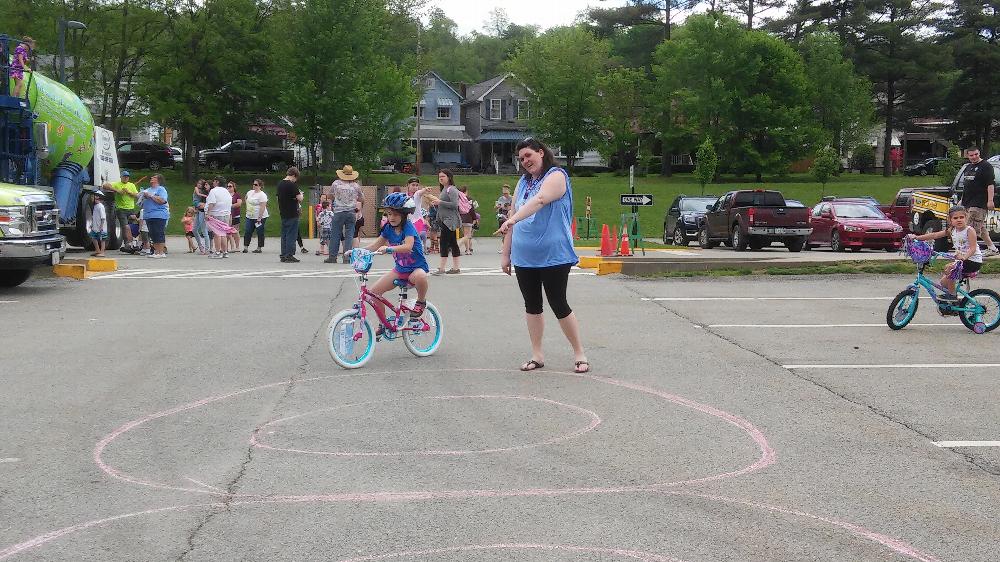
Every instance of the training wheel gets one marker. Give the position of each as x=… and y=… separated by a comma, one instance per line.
x=979, y=328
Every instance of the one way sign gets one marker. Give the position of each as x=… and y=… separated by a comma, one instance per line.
x=634, y=199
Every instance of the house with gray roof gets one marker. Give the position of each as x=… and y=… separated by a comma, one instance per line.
x=496, y=113
x=438, y=126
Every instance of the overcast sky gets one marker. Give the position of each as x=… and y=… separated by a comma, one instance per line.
x=472, y=15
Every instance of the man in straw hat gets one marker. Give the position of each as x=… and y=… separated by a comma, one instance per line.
x=345, y=193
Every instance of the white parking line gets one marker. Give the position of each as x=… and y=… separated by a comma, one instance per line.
x=7, y=302
x=682, y=299
x=901, y=366
x=876, y=325
x=10, y=459
x=948, y=444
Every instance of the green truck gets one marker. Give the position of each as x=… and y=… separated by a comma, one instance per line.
x=47, y=162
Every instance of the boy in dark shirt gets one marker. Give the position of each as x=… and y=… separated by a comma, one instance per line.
x=289, y=197
x=977, y=196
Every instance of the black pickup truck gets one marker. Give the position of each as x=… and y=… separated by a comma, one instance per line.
x=246, y=155
x=754, y=219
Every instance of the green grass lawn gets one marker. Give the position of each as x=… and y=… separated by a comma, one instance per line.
x=603, y=190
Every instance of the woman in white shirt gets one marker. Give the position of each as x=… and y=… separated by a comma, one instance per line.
x=256, y=202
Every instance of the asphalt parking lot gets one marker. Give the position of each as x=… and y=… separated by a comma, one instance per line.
x=187, y=409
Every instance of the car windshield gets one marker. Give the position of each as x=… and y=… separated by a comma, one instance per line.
x=858, y=211
x=692, y=204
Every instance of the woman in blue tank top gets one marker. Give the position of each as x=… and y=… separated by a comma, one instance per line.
x=538, y=242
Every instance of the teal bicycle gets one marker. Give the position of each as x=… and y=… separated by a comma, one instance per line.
x=979, y=309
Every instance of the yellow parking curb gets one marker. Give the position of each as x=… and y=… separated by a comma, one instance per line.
x=73, y=270
x=94, y=264
x=606, y=267
x=590, y=262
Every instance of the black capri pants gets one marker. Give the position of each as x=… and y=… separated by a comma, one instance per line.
x=553, y=279
x=449, y=242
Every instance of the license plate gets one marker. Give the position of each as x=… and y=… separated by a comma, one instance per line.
x=779, y=230
x=55, y=258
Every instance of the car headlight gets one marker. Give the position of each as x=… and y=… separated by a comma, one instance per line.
x=897, y=228
x=14, y=220
x=850, y=228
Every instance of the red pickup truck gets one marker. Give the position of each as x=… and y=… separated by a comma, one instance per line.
x=754, y=219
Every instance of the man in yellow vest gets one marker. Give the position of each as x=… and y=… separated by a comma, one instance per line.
x=125, y=195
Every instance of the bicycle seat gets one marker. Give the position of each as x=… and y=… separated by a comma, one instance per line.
x=402, y=283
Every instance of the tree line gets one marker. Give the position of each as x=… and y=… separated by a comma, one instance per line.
x=763, y=82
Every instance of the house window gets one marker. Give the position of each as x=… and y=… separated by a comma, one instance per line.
x=418, y=112
x=495, y=109
x=444, y=113
x=522, y=110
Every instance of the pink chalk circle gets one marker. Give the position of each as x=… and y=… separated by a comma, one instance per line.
x=604, y=552
x=593, y=420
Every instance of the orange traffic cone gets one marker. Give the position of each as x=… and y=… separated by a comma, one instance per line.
x=606, y=248
x=614, y=241
x=625, y=249
x=572, y=229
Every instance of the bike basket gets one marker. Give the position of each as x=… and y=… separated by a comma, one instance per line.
x=919, y=251
x=361, y=260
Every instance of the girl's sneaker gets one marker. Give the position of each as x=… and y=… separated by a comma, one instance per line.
x=418, y=309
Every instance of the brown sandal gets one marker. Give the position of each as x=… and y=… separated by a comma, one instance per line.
x=532, y=365
x=580, y=370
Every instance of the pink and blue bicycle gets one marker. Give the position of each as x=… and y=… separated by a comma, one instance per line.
x=351, y=340
x=979, y=309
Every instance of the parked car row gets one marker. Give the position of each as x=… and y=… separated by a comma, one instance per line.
x=754, y=219
x=236, y=154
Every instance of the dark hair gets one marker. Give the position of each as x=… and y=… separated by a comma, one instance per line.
x=464, y=189
x=548, y=158
x=971, y=148
x=258, y=181
x=292, y=171
x=450, y=174
x=413, y=180
x=325, y=204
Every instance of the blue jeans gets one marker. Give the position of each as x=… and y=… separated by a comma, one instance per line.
x=343, y=229
x=289, y=231
x=201, y=230
x=249, y=229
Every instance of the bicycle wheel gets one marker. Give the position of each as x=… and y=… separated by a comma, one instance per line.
x=345, y=350
x=425, y=342
x=990, y=317
x=902, y=309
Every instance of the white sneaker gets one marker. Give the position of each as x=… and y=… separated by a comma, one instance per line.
x=991, y=252
x=215, y=256
x=158, y=256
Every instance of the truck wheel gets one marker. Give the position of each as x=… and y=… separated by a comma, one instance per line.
x=936, y=225
x=155, y=165
x=704, y=241
x=214, y=164
x=274, y=166
x=13, y=277
x=114, y=237
x=679, y=238
x=795, y=244
x=835, y=244
x=739, y=241
x=923, y=171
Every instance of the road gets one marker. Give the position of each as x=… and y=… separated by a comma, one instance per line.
x=187, y=409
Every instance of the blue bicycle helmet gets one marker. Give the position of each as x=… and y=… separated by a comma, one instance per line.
x=400, y=202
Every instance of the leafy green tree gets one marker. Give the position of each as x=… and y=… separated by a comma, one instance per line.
x=902, y=64
x=622, y=95
x=747, y=90
x=206, y=76
x=707, y=163
x=863, y=157
x=826, y=165
x=972, y=30
x=561, y=70
x=947, y=169
x=344, y=93
x=841, y=100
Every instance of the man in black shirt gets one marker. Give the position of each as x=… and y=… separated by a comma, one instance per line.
x=289, y=198
x=977, y=195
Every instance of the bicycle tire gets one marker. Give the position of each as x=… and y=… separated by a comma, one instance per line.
x=969, y=319
x=901, y=311
x=432, y=317
x=367, y=341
